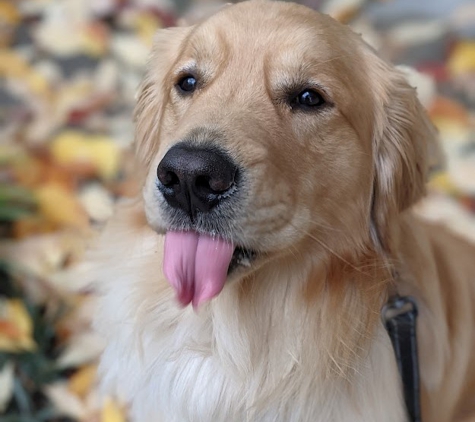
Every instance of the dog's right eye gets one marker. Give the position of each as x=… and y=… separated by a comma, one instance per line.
x=187, y=84
x=309, y=98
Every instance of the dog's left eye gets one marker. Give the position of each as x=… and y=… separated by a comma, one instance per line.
x=187, y=84
x=309, y=98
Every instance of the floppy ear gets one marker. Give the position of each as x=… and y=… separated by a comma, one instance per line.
x=153, y=92
x=404, y=141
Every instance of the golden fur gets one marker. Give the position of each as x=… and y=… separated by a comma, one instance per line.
x=298, y=336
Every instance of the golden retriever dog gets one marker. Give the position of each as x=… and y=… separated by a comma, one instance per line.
x=279, y=158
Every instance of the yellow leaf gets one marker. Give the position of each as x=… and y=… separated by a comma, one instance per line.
x=462, y=60
x=37, y=83
x=82, y=381
x=12, y=64
x=146, y=25
x=450, y=129
x=70, y=147
x=99, y=152
x=94, y=39
x=442, y=182
x=106, y=156
x=111, y=412
x=60, y=206
x=9, y=14
x=15, y=326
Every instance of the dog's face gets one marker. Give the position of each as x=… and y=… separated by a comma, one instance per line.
x=270, y=125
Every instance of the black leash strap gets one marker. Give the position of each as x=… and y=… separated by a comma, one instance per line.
x=399, y=316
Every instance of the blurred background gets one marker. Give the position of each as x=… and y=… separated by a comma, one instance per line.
x=69, y=70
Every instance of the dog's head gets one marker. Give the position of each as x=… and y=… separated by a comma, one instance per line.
x=270, y=126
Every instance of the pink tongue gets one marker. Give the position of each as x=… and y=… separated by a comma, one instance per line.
x=196, y=265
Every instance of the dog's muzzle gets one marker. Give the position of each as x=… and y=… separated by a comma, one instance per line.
x=200, y=188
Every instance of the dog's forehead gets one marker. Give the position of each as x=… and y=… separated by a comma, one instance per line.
x=284, y=32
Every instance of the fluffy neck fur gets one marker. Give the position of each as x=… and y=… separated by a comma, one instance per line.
x=289, y=343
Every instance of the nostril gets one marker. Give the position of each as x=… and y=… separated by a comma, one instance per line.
x=167, y=178
x=220, y=185
x=210, y=184
x=202, y=182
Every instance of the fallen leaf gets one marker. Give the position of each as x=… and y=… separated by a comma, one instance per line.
x=6, y=385
x=130, y=50
x=33, y=170
x=146, y=25
x=16, y=327
x=99, y=152
x=65, y=402
x=89, y=108
x=462, y=59
x=442, y=183
x=13, y=66
x=82, y=381
x=32, y=225
x=59, y=37
x=95, y=39
x=41, y=256
x=97, y=202
x=448, y=109
x=9, y=14
x=82, y=349
x=112, y=412
x=60, y=206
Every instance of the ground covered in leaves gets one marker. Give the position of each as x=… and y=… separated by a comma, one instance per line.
x=69, y=70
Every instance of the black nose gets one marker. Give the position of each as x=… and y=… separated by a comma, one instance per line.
x=195, y=179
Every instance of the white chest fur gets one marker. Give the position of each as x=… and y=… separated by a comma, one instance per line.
x=227, y=363
x=178, y=372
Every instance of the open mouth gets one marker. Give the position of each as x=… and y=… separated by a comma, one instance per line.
x=197, y=265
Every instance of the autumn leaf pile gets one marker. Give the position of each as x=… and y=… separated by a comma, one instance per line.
x=68, y=72
x=68, y=75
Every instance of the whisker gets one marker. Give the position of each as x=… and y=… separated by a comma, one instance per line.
x=384, y=263
x=329, y=249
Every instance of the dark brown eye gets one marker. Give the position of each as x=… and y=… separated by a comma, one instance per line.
x=187, y=84
x=309, y=98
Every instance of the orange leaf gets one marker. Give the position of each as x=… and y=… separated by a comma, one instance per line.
x=9, y=329
x=59, y=206
x=83, y=380
x=15, y=326
x=9, y=14
x=447, y=109
x=33, y=225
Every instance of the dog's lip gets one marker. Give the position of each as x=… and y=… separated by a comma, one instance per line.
x=242, y=257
